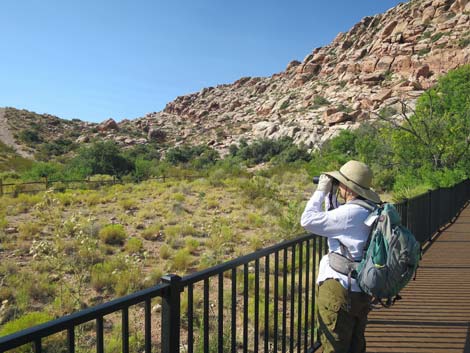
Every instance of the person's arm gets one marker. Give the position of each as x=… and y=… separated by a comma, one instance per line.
x=326, y=223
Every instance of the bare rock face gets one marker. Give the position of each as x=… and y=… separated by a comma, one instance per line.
x=337, y=118
x=108, y=125
x=380, y=61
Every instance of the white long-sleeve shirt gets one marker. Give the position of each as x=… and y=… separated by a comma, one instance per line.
x=345, y=223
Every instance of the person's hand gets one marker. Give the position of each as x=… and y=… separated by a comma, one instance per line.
x=324, y=183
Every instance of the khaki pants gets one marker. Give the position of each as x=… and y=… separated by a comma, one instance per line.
x=341, y=331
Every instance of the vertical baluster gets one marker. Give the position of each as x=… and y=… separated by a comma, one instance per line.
x=245, y=308
x=206, y=315
x=234, y=310
x=125, y=330
x=314, y=288
x=292, y=300
x=37, y=345
x=99, y=335
x=220, y=337
x=284, y=301
x=190, y=319
x=299, y=304
x=276, y=299
x=256, y=333
x=148, y=326
x=307, y=287
x=266, y=305
x=71, y=339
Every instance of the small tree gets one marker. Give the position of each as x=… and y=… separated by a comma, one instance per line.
x=437, y=132
x=103, y=158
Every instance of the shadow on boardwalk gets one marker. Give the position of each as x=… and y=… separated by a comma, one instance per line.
x=434, y=314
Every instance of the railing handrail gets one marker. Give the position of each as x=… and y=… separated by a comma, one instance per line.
x=54, y=326
x=231, y=264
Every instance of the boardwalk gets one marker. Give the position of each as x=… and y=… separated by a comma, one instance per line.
x=434, y=315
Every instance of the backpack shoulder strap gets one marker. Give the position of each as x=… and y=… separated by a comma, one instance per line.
x=368, y=205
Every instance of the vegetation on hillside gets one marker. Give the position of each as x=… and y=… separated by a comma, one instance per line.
x=124, y=237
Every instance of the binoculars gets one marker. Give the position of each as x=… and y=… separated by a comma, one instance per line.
x=316, y=179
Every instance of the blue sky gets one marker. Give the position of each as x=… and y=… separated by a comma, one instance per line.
x=96, y=59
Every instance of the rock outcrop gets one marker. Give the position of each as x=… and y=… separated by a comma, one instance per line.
x=380, y=62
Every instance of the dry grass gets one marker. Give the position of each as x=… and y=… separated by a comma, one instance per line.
x=163, y=226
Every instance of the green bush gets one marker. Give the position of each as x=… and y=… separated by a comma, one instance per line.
x=25, y=321
x=30, y=137
x=198, y=156
x=102, y=276
x=102, y=158
x=320, y=101
x=182, y=260
x=264, y=150
x=134, y=246
x=152, y=232
x=112, y=234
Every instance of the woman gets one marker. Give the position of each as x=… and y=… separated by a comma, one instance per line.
x=342, y=307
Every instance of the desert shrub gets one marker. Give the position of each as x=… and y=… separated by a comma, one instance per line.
x=25, y=321
x=258, y=187
x=181, y=260
x=266, y=149
x=29, y=230
x=197, y=156
x=102, y=276
x=134, y=246
x=165, y=251
x=153, y=277
x=56, y=148
x=320, y=101
x=289, y=220
x=152, y=232
x=40, y=170
x=30, y=137
x=144, y=169
x=127, y=281
x=128, y=204
x=112, y=234
x=191, y=244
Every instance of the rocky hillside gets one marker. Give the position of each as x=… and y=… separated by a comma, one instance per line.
x=381, y=61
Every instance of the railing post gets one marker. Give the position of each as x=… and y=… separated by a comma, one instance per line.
x=171, y=314
x=47, y=183
x=1, y=187
x=430, y=230
x=405, y=213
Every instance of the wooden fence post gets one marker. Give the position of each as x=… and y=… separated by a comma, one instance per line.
x=47, y=183
x=1, y=187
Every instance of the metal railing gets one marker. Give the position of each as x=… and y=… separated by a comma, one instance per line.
x=261, y=302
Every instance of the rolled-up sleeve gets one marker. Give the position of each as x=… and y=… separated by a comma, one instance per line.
x=325, y=223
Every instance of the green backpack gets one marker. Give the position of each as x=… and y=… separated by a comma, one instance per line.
x=390, y=259
x=392, y=256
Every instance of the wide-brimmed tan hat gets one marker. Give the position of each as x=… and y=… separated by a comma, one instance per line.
x=357, y=176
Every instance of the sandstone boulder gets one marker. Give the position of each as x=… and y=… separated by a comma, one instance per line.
x=108, y=125
x=293, y=64
x=82, y=139
x=388, y=29
x=264, y=129
x=428, y=13
x=337, y=118
x=382, y=95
